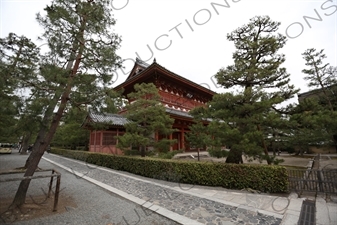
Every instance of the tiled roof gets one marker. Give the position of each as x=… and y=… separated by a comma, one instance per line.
x=184, y=114
x=317, y=92
x=187, y=80
x=178, y=113
x=108, y=118
x=173, y=75
x=142, y=63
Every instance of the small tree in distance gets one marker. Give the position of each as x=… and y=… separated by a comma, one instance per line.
x=320, y=75
x=198, y=137
x=147, y=121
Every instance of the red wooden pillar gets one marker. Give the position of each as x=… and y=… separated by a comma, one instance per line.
x=95, y=140
x=182, y=139
x=100, y=141
x=171, y=147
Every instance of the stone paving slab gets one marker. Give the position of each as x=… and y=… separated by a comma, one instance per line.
x=263, y=203
x=327, y=212
x=332, y=207
x=84, y=203
x=145, y=205
x=198, y=208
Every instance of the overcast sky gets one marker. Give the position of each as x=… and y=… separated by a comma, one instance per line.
x=188, y=37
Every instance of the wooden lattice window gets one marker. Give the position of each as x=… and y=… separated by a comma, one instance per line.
x=95, y=138
x=109, y=138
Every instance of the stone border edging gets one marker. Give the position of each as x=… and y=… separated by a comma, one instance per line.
x=157, y=209
x=249, y=208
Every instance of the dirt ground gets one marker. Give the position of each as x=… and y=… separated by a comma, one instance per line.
x=34, y=207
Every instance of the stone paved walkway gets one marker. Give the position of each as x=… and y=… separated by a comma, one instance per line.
x=203, y=210
x=80, y=202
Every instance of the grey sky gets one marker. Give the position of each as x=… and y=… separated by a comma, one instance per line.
x=188, y=37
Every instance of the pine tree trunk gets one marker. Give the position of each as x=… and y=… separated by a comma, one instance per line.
x=43, y=129
x=142, y=151
x=72, y=67
x=335, y=140
x=21, y=193
x=25, y=144
x=36, y=146
x=234, y=156
x=265, y=148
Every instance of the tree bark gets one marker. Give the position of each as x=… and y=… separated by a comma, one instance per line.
x=43, y=129
x=335, y=139
x=20, y=196
x=234, y=156
x=25, y=144
x=142, y=151
x=265, y=148
x=21, y=193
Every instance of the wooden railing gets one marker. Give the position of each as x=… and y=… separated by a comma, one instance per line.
x=53, y=174
x=313, y=180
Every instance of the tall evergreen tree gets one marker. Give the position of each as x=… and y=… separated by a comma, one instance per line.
x=323, y=78
x=261, y=84
x=147, y=121
x=79, y=38
x=18, y=63
x=309, y=122
x=320, y=75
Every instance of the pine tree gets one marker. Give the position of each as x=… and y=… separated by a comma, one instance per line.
x=323, y=78
x=147, y=121
x=308, y=126
x=261, y=84
x=198, y=137
x=19, y=57
x=79, y=40
x=320, y=75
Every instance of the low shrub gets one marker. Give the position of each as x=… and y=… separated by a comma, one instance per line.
x=233, y=176
x=131, y=152
x=168, y=155
x=218, y=153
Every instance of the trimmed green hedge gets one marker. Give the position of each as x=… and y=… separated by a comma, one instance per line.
x=264, y=178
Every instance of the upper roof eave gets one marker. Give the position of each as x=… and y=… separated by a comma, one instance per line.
x=105, y=118
x=167, y=72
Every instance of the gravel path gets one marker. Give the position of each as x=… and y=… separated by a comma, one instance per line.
x=200, y=209
x=94, y=204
